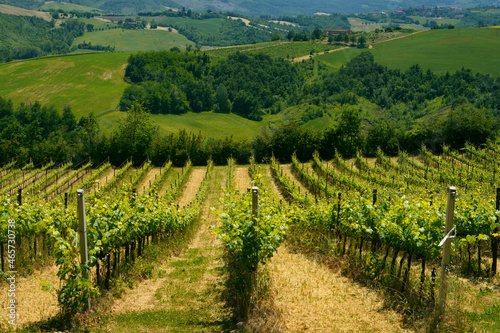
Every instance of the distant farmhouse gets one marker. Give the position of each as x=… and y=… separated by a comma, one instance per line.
x=335, y=32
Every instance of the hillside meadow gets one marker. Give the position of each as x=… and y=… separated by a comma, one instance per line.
x=94, y=82
x=212, y=125
x=440, y=51
x=89, y=83
x=136, y=40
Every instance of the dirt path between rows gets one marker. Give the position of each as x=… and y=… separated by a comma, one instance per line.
x=287, y=170
x=313, y=298
x=144, y=184
x=268, y=178
x=242, y=180
x=191, y=187
x=190, y=285
x=32, y=303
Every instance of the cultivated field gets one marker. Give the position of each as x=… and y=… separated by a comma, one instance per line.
x=440, y=51
x=163, y=269
x=11, y=10
x=125, y=40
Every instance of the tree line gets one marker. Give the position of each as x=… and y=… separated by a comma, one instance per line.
x=40, y=133
x=178, y=82
x=23, y=37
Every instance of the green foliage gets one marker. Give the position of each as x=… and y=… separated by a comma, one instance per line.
x=24, y=37
x=251, y=242
x=28, y=4
x=172, y=82
x=133, y=40
x=440, y=51
x=77, y=289
x=133, y=137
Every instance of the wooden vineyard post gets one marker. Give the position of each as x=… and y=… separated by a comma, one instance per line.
x=255, y=215
x=83, y=235
x=20, y=196
x=446, y=243
x=494, y=240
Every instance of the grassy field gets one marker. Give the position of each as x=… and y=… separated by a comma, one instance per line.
x=98, y=24
x=438, y=50
x=280, y=49
x=11, y=10
x=89, y=83
x=135, y=40
x=210, y=26
x=212, y=125
x=67, y=7
x=438, y=20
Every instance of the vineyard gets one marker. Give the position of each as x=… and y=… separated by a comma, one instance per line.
x=378, y=221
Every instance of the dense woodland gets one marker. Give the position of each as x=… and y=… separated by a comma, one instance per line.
x=23, y=37
x=28, y=4
x=231, y=32
x=174, y=83
x=40, y=133
x=405, y=93
x=253, y=85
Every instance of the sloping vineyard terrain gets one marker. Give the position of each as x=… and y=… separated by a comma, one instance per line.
x=342, y=232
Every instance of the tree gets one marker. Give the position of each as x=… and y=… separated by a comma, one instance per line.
x=383, y=136
x=90, y=129
x=246, y=106
x=223, y=105
x=68, y=119
x=291, y=35
x=90, y=27
x=275, y=36
x=346, y=38
x=465, y=123
x=317, y=34
x=133, y=136
x=362, y=41
x=347, y=134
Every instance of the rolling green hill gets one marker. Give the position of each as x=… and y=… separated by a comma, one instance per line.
x=272, y=7
x=94, y=82
x=440, y=51
x=136, y=40
x=12, y=10
x=89, y=83
x=67, y=7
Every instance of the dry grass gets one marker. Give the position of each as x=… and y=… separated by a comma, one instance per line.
x=191, y=187
x=11, y=10
x=242, y=179
x=150, y=178
x=188, y=282
x=33, y=304
x=287, y=170
x=315, y=299
x=272, y=185
x=107, y=175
